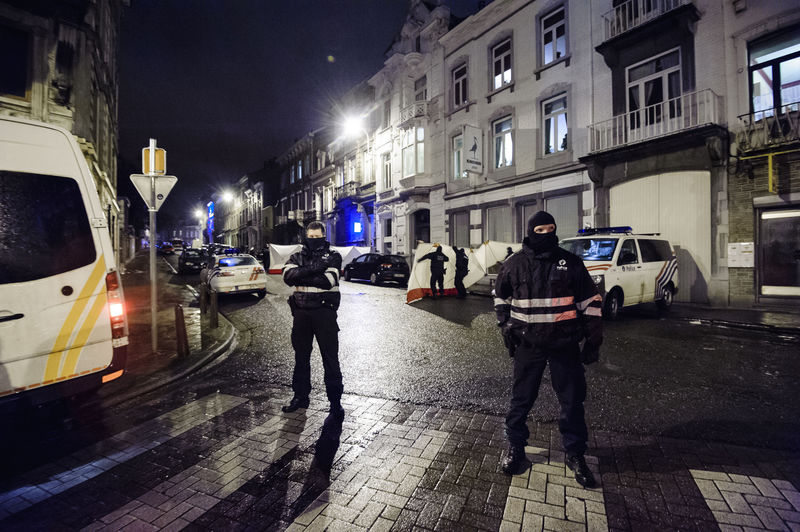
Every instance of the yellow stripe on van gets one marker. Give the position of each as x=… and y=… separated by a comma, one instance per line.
x=83, y=335
x=53, y=361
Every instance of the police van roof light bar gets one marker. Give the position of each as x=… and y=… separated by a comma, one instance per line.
x=598, y=230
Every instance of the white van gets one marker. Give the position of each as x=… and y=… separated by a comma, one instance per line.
x=63, y=326
x=628, y=269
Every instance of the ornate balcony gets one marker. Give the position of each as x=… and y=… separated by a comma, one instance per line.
x=770, y=128
x=688, y=111
x=634, y=13
x=417, y=109
x=347, y=190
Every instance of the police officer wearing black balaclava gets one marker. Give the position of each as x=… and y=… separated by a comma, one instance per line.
x=462, y=269
x=314, y=273
x=546, y=304
x=437, y=258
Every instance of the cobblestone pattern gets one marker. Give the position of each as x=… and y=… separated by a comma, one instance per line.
x=741, y=501
x=92, y=461
x=227, y=463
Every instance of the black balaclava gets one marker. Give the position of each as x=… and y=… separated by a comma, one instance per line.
x=542, y=242
x=315, y=244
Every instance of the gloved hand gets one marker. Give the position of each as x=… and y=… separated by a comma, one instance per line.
x=510, y=339
x=590, y=354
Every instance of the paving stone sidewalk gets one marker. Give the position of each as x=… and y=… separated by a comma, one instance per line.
x=226, y=462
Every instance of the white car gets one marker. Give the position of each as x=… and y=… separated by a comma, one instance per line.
x=628, y=269
x=234, y=274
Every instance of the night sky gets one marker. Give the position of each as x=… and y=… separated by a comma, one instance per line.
x=224, y=85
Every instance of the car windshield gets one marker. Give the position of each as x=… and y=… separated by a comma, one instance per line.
x=591, y=248
x=237, y=261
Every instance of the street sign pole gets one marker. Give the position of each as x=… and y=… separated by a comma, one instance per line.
x=153, y=273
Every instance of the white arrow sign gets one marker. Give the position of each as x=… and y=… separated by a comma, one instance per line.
x=164, y=184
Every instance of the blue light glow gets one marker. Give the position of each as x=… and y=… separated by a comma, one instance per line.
x=357, y=227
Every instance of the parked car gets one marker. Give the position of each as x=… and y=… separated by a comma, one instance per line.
x=378, y=269
x=177, y=245
x=166, y=248
x=191, y=260
x=239, y=273
x=628, y=269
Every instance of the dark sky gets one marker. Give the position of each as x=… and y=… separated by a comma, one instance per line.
x=223, y=85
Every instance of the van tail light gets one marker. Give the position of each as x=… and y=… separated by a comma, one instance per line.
x=258, y=270
x=116, y=306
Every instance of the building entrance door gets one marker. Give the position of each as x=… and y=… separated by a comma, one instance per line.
x=421, y=226
x=779, y=252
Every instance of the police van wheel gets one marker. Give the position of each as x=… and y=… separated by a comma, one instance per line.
x=666, y=302
x=613, y=304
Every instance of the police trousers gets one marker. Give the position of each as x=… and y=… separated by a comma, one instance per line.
x=569, y=382
x=319, y=323
x=437, y=277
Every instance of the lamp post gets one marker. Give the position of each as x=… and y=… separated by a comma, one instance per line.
x=352, y=127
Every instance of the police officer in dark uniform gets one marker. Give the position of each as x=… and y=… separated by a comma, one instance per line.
x=546, y=304
x=437, y=258
x=462, y=269
x=314, y=274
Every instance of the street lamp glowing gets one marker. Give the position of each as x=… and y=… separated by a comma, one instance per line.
x=198, y=214
x=227, y=197
x=353, y=126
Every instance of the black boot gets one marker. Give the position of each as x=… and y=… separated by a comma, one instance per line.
x=337, y=412
x=295, y=404
x=515, y=460
x=583, y=474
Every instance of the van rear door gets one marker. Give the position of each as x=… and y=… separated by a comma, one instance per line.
x=54, y=321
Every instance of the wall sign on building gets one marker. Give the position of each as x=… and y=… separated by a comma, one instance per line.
x=473, y=149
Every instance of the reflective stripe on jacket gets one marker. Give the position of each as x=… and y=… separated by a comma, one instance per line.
x=314, y=287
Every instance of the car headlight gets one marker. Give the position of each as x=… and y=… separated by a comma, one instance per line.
x=597, y=279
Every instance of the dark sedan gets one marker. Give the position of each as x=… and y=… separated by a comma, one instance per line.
x=192, y=260
x=378, y=269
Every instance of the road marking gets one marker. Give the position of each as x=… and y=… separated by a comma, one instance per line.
x=744, y=501
x=98, y=458
x=188, y=495
x=547, y=496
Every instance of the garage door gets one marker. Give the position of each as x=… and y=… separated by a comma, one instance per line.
x=677, y=205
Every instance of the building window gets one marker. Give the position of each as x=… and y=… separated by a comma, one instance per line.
x=292, y=174
x=459, y=229
x=300, y=169
x=565, y=211
x=554, y=39
x=775, y=73
x=339, y=176
x=458, y=156
x=501, y=64
x=368, y=177
x=649, y=84
x=554, y=114
x=421, y=89
x=14, y=60
x=498, y=224
x=386, y=159
x=387, y=114
x=503, y=143
x=460, y=95
x=418, y=43
x=351, y=169
x=413, y=151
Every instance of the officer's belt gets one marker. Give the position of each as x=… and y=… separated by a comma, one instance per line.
x=314, y=289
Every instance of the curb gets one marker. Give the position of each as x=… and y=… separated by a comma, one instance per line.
x=763, y=327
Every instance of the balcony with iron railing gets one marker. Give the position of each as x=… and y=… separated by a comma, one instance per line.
x=418, y=109
x=347, y=190
x=634, y=13
x=686, y=112
x=769, y=128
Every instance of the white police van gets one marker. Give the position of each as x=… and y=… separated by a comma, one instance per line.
x=628, y=268
x=63, y=326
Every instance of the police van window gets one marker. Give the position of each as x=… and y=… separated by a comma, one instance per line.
x=591, y=248
x=44, y=228
x=627, y=253
x=654, y=250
